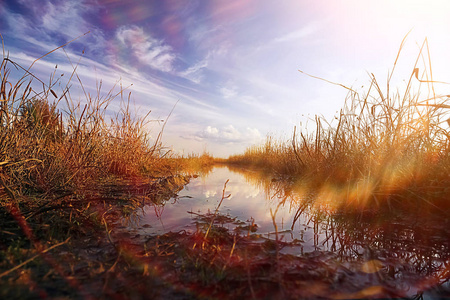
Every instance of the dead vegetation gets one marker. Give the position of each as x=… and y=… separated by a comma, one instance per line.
x=69, y=171
x=385, y=143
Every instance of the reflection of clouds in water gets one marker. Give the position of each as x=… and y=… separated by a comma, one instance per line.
x=213, y=187
x=194, y=184
x=300, y=220
x=252, y=193
x=210, y=193
x=243, y=190
x=246, y=200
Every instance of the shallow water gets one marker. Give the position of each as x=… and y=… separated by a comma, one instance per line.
x=412, y=248
x=248, y=200
x=297, y=219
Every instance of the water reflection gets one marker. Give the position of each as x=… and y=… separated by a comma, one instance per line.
x=249, y=199
x=406, y=250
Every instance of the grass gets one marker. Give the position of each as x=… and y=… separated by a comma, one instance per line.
x=383, y=145
x=194, y=164
x=69, y=171
x=54, y=154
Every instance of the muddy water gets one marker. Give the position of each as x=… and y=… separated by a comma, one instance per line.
x=411, y=246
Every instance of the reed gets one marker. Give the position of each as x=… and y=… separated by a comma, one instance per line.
x=382, y=144
x=194, y=164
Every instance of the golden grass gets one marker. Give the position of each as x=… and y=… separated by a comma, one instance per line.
x=69, y=169
x=48, y=146
x=59, y=156
x=384, y=143
x=193, y=164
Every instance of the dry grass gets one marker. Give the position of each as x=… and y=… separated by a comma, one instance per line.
x=48, y=146
x=69, y=169
x=382, y=143
x=194, y=164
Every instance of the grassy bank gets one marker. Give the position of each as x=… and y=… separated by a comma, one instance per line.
x=53, y=147
x=70, y=171
x=386, y=143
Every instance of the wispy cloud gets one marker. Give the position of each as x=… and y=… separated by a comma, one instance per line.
x=301, y=33
x=45, y=18
x=146, y=49
x=195, y=72
x=229, y=91
x=49, y=24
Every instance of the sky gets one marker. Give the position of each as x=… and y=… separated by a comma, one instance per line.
x=227, y=68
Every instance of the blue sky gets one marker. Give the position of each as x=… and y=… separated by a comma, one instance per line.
x=232, y=65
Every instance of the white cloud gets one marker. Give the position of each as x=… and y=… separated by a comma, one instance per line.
x=212, y=131
x=228, y=134
x=147, y=49
x=210, y=193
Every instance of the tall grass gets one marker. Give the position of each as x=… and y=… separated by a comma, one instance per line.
x=383, y=143
x=63, y=164
x=57, y=153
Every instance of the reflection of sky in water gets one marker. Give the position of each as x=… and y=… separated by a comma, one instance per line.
x=315, y=229
x=408, y=247
x=247, y=201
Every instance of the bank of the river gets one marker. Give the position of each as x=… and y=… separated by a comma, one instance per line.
x=77, y=247
x=68, y=175
x=380, y=151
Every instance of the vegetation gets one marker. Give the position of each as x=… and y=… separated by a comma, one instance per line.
x=69, y=173
x=193, y=164
x=72, y=178
x=386, y=145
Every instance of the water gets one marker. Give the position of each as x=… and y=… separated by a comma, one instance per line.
x=297, y=219
x=248, y=201
x=412, y=246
